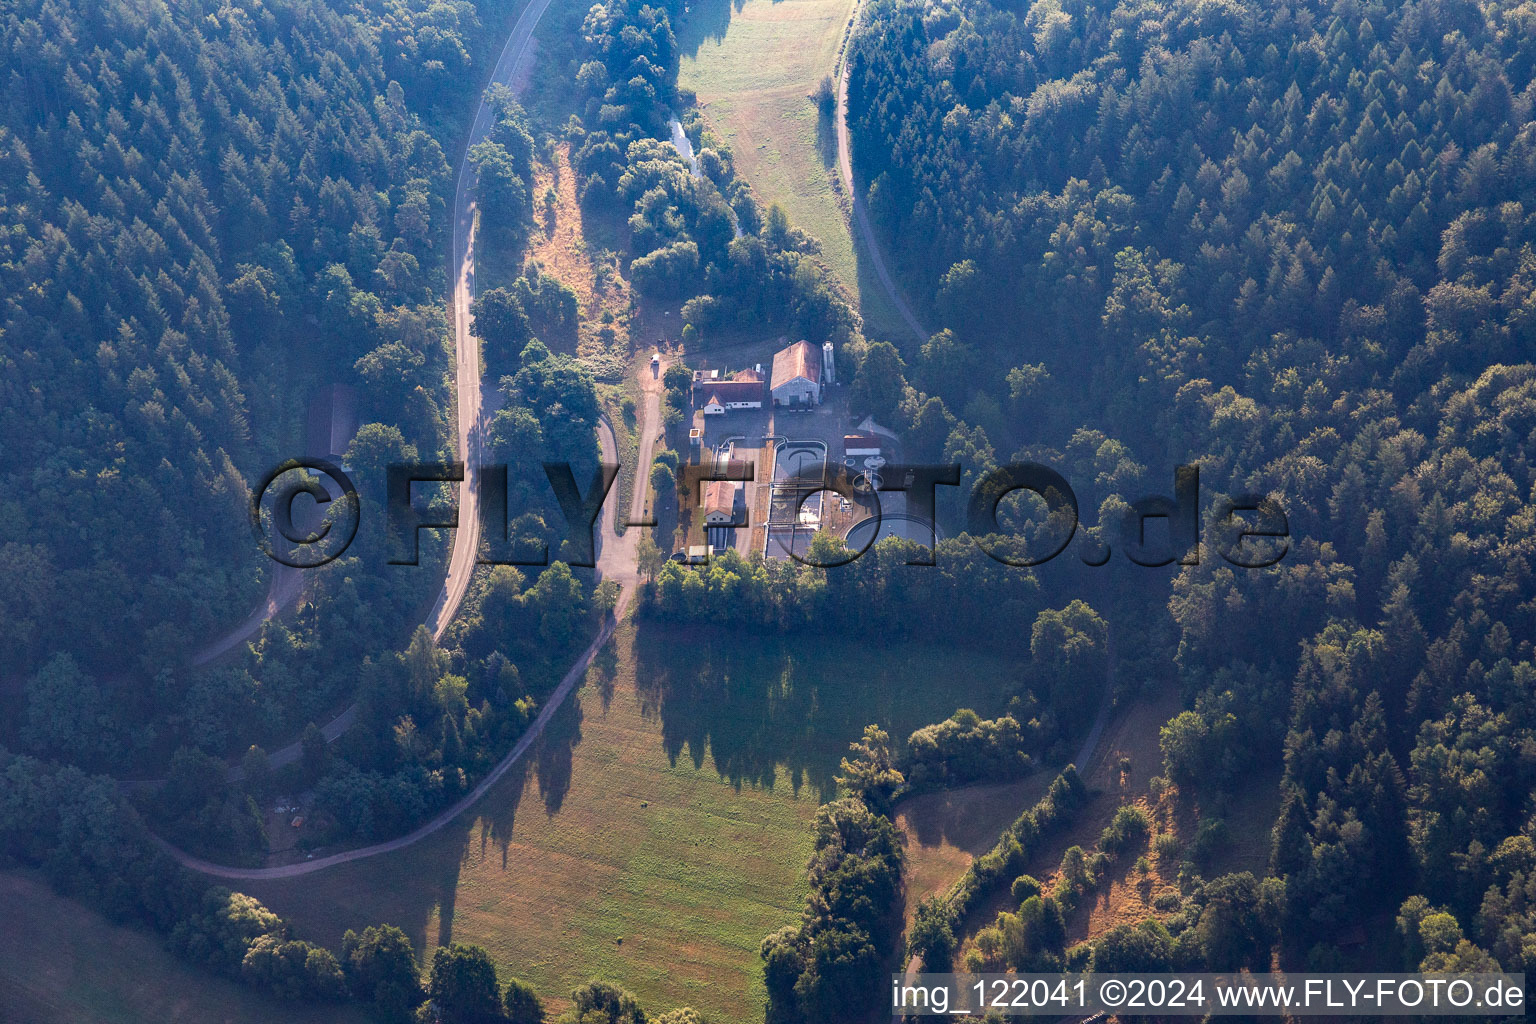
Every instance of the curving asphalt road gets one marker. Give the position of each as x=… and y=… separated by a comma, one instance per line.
x=872, y=248
x=283, y=589
x=615, y=560
x=535, y=730
x=288, y=583
x=466, y=539
x=616, y=553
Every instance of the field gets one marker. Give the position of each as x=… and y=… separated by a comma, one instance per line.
x=64, y=964
x=946, y=831
x=753, y=66
x=663, y=827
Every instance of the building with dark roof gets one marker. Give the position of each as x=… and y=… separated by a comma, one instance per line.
x=716, y=394
x=858, y=446
x=332, y=422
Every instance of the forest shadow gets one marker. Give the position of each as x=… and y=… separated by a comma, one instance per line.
x=881, y=320
x=972, y=817
x=756, y=706
x=705, y=22
x=748, y=707
x=603, y=673
x=407, y=889
x=498, y=818
x=411, y=887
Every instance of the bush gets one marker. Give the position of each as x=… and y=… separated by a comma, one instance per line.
x=522, y=1004
x=1128, y=828
x=965, y=748
x=1167, y=847
x=932, y=936
x=824, y=96
x=1066, y=794
x=668, y=273
x=1024, y=887
x=291, y=969
x=463, y=984
x=380, y=968
x=1210, y=838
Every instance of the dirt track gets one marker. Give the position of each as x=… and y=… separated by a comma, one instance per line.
x=861, y=219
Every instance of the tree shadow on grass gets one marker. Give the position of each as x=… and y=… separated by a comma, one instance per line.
x=499, y=815
x=410, y=887
x=705, y=22
x=826, y=138
x=760, y=706
x=972, y=817
x=554, y=753
x=750, y=706
x=407, y=889
x=603, y=673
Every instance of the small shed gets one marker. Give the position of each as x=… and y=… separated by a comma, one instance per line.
x=859, y=446
x=720, y=503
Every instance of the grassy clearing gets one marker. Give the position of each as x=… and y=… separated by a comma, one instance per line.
x=668, y=808
x=605, y=857
x=64, y=964
x=753, y=66
x=946, y=831
x=581, y=254
x=577, y=252
x=1128, y=896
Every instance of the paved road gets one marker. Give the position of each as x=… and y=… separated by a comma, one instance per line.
x=861, y=212
x=535, y=730
x=466, y=539
x=283, y=589
x=616, y=553
x=615, y=560
x=288, y=583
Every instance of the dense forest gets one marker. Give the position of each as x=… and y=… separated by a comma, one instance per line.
x=213, y=214
x=1292, y=243
x=210, y=213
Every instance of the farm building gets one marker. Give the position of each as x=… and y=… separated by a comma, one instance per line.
x=720, y=503
x=716, y=394
x=797, y=375
x=720, y=497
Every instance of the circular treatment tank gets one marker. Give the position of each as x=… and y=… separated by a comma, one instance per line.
x=892, y=524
